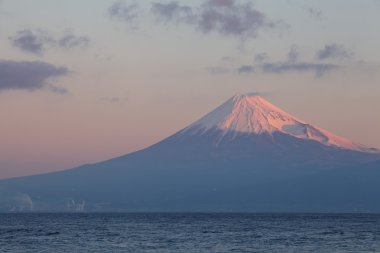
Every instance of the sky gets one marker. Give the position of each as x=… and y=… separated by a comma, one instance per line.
x=83, y=81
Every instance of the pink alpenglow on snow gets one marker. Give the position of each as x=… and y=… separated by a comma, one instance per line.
x=250, y=113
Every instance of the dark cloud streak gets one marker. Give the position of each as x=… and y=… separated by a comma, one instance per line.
x=30, y=41
x=173, y=12
x=225, y=17
x=38, y=41
x=319, y=68
x=292, y=63
x=230, y=18
x=30, y=75
x=246, y=69
x=123, y=11
x=69, y=41
x=333, y=51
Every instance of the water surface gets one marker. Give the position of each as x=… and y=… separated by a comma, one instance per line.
x=185, y=232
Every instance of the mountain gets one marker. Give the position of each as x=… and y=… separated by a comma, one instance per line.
x=254, y=115
x=247, y=155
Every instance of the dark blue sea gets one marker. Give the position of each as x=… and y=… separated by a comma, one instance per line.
x=181, y=232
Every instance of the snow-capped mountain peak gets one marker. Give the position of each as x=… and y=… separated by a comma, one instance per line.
x=252, y=114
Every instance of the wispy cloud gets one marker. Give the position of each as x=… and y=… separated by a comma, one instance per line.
x=31, y=41
x=225, y=17
x=246, y=69
x=231, y=18
x=291, y=64
x=261, y=57
x=58, y=90
x=124, y=11
x=70, y=40
x=293, y=54
x=281, y=67
x=319, y=69
x=333, y=51
x=314, y=13
x=38, y=41
x=30, y=75
x=173, y=12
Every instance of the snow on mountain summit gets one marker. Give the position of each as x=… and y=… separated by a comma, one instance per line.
x=252, y=114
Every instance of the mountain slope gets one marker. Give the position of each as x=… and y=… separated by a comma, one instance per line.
x=255, y=115
x=240, y=157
